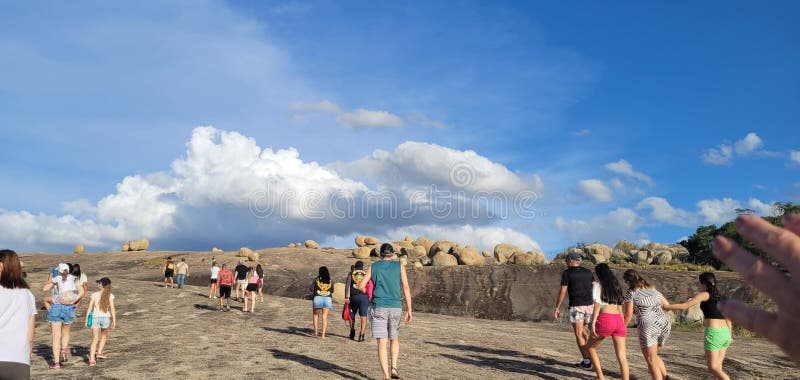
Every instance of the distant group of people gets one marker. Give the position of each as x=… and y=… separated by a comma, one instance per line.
x=607, y=309
x=597, y=309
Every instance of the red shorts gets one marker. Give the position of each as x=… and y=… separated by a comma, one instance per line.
x=610, y=325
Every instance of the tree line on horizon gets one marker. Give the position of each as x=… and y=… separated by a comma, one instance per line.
x=699, y=243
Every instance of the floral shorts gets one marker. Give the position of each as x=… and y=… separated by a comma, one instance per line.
x=581, y=314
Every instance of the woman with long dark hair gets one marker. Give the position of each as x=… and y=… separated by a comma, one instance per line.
x=260, y=273
x=607, y=320
x=356, y=300
x=653, y=325
x=80, y=281
x=718, y=329
x=18, y=315
x=322, y=289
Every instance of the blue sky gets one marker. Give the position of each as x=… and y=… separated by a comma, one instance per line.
x=629, y=121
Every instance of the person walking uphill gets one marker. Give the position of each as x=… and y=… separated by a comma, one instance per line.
x=391, y=286
x=104, y=317
x=322, y=289
x=241, y=280
x=577, y=282
x=182, y=270
x=356, y=300
x=17, y=319
x=62, y=312
x=169, y=272
x=225, y=281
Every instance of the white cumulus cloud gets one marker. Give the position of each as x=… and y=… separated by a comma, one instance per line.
x=620, y=224
x=721, y=155
x=748, y=144
x=595, y=189
x=625, y=168
x=794, y=157
x=662, y=211
x=724, y=154
x=362, y=118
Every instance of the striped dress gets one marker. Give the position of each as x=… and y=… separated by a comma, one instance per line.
x=653, y=325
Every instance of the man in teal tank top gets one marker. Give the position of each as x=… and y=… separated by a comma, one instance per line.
x=391, y=286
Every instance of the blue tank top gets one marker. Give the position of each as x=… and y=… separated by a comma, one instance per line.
x=386, y=277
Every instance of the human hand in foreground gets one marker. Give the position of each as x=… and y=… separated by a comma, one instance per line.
x=409, y=317
x=783, y=245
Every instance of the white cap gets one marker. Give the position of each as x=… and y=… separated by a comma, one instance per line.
x=63, y=267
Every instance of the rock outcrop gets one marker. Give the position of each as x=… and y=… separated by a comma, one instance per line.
x=467, y=255
x=312, y=244
x=503, y=252
x=79, y=250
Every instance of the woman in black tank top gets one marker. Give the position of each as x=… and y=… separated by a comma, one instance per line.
x=718, y=330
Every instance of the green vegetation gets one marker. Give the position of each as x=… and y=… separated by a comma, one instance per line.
x=699, y=244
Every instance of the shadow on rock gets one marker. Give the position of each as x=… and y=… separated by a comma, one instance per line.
x=545, y=368
x=305, y=331
x=318, y=364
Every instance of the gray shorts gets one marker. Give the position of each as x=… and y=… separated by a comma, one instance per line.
x=385, y=322
x=241, y=284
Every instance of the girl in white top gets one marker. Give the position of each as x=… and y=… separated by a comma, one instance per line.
x=81, y=281
x=214, y=273
x=104, y=317
x=62, y=312
x=17, y=315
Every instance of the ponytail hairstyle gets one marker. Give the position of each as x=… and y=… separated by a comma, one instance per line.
x=105, y=299
x=359, y=265
x=610, y=290
x=11, y=277
x=75, y=270
x=710, y=282
x=324, y=275
x=259, y=271
x=634, y=280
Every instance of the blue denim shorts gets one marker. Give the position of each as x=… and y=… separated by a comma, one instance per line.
x=101, y=322
x=59, y=313
x=322, y=302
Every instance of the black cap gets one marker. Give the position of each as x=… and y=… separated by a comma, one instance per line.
x=105, y=281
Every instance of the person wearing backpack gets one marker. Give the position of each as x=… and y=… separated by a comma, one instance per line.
x=322, y=288
x=169, y=272
x=356, y=300
x=390, y=287
x=104, y=317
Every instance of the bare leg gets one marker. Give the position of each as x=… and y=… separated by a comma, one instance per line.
x=661, y=367
x=252, y=302
x=383, y=357
x=56, y=329
x=580, y=338
x=591, y=347
x=651, y=356
x=103, y=338
x=714, y=362
x=93, y=348
x=325, y=322
x=363, y=325
x=395, y=347
x=316, y=322
x=622, y=357
x=65, y=332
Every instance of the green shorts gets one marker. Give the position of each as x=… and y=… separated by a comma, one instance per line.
x=717, y=338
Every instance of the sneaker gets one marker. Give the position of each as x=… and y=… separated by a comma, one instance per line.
x=55, y=365
x=100, y=356
x=587, y=366
x=92, y=363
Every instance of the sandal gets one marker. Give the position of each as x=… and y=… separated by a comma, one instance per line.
x=64, y=357
x=395, y=373
x=100, y=356
x=92, y=363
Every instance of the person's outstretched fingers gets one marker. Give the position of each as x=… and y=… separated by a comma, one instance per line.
x=792, y=223
x=781, y=244
x=764, y=323
x=756, y=271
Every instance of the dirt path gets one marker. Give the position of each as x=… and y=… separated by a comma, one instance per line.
x=171, y=333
